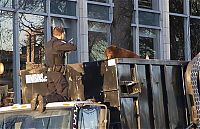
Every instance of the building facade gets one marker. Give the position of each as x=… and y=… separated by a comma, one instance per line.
x=163, y=29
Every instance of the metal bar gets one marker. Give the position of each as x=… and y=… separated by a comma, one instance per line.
x=152, y=62
x=16, y=57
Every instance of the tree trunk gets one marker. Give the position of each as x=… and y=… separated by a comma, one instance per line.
x=121, y=26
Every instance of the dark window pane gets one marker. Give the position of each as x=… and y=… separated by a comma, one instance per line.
x=63, y=7
x=194, y=37
x=70, y=28
x=6, y=3
x=31, y=39
x=103, y=1
x=176, y=6
x=98, y=38
x=32, y=5
x=146, y=47
x=145, y=4
x=195, y=7
x=98, y=12
x=6, y=48
x=148, y=42
x=146, y=18
x=177, y=38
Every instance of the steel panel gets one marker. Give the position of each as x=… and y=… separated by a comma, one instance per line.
x=129, y=113
x=123, y=72
x=144, y=109
x=175, y=97
x=157, y=92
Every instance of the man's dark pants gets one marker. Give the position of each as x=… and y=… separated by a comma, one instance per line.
x=57, y=87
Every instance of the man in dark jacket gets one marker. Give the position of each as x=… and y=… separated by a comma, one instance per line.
x=56, y=83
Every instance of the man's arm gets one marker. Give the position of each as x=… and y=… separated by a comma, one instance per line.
x=64, y=46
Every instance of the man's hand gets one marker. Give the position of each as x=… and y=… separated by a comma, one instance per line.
x=71, y=41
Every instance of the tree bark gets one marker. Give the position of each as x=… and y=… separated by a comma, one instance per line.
x=121, y=26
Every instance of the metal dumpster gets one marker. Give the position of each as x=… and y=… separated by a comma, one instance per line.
x=147, y=93
x=140, y=93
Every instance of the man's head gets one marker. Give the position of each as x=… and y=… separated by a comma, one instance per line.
x=58, y=32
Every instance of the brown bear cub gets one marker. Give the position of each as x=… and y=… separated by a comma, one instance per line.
x=117, y=52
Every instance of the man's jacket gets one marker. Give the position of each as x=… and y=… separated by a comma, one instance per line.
x=55, y=51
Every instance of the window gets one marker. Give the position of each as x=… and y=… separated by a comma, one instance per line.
x=32, y=5
x=6, y=47
x=98, y=38
x=177, y=38
x=195, y=7
x=63, y=7
x=149, y=4
x=103, y=1
x=31, y=39
x=145, y=4
x=98, y=12
x=148, y=43
x=148, y=18
x=194, y=36
x=6, y=3
x=33, y=17
x=176, y=6
x=70, y=33
x=146, y=47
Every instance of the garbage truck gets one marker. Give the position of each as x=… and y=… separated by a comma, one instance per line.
x=129, y=94
x=58, y=115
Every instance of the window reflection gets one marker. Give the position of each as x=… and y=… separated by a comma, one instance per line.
x=148, y=42
x=194, y=35
x=146, y=47
x=6, y=3
x=145, y=4
x=195, y=7
x=146, y=18
x=98, y=12
x=176, y=38
x=149, y=4
x=176, y=6
x=98, y=38
x=70, y=28
x=6, y=49
x=31, y=39
x=103, y=1
x=32, y=5
x=63, y=7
